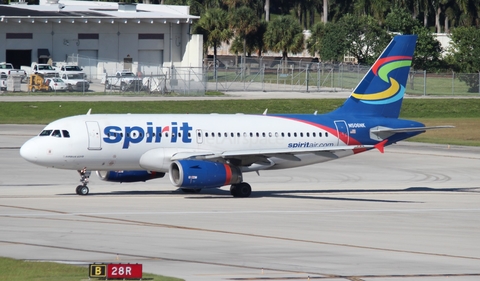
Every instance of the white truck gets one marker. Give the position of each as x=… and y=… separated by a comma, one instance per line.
x=40, y=68
x=124, y=80
x=8, y=69
x=75, y=78
x=75, y=81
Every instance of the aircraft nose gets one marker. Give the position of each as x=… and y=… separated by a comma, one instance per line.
x=28, y=151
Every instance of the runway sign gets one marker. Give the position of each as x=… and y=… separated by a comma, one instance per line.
x=116, y=271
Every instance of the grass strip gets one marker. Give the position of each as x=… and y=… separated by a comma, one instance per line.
x=19, y=270
x=464, y=114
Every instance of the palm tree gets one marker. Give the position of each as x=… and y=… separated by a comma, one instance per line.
x=214, y=27
x=314, y=42
x=374, y=8
x=284, y=34
x=325, y=11
x=267, y=10
x=470, y=10
x=243, y=21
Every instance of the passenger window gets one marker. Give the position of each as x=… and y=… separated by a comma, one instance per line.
x=288, y=134
x=295, y=134
x=320, y=134
x=313, y=134
x=326, y=134
x=66, y=134
x=301, y=134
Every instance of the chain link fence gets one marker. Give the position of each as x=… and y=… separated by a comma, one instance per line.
x=266, y=74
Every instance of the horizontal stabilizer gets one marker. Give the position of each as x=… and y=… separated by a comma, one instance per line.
x=407, y=130
x=381, y=133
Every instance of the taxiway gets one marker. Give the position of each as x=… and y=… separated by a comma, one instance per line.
x=412, y=213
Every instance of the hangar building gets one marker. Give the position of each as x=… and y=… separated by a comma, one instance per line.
x=137, y=35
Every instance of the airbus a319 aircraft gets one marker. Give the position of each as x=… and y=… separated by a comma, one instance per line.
x=213, y=150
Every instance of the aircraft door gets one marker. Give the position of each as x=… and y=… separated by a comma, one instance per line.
x=199, y=136
x=342, y=131
x=94, y=137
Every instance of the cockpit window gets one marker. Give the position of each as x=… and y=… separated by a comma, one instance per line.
x=57, y=134
x=45, y=133
x=65, y=133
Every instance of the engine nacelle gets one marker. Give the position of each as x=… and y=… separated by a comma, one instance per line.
x=128, y=176
x=197, y=174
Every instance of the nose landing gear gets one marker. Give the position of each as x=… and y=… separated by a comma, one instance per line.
x=84, y=176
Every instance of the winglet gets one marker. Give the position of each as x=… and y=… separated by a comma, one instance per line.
x=381, y=145
x=265, y=112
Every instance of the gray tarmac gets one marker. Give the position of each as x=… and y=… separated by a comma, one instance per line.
x=412, y=213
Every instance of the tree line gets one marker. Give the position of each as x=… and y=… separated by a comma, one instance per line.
x=357, y=28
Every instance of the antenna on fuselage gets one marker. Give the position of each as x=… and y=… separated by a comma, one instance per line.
x=89, y=111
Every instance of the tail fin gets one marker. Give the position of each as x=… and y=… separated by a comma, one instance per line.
x=380, y=93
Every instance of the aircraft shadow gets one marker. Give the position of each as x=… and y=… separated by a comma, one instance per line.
x=333, y=194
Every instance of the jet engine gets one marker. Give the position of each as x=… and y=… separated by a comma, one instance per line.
x=197, y=174
x=128, y=176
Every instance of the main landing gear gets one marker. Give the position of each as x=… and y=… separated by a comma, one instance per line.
x=242, y=189
x=84, y=176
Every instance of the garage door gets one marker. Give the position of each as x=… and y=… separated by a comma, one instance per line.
x=87, y=59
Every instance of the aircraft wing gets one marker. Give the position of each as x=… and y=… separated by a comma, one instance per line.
x=261, y=156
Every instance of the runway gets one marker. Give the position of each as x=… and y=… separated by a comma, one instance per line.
x=412, y=213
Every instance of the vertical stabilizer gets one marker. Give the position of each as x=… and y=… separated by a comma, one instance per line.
x=381, y=91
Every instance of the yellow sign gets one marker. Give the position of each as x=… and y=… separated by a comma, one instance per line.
x=98, y=270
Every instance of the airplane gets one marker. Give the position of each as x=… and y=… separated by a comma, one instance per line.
x=201, y=151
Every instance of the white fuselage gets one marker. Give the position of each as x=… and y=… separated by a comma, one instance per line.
x=117, y=142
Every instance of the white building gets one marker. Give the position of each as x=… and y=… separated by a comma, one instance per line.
x=136, y=35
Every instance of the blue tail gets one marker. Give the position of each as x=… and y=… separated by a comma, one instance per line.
x=380, y=93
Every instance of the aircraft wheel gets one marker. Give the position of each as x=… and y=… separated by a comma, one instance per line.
x=82, y=190
x=241, y=190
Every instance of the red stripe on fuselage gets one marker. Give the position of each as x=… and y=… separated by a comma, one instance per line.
x=342, y=137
